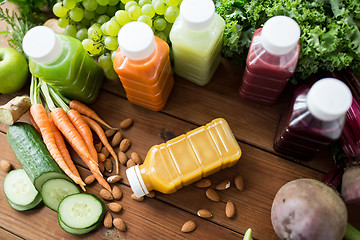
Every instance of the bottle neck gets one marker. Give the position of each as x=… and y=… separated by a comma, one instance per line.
x=136, y=180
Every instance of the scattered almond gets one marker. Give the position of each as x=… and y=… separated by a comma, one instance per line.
x=212, y=195
x=98, y=146
x=114, y=207
x=117, y=193
x=230, y=209
x=114, y=179
x=125, y=144
x=119, y=224
x=189, y=226
x=5, y=165
x=134, y=197
x=89, y=179
x=239, y=182
x=116, y=139
x=108, y=165
x=105, y=152
x=136, y=158
x=101, y=157
x=101, y=167
x=110, y=132
x=106, y=195
x=122, y=158
x=151, y=194
x=204, y=213
x=130, y=163
x=203, y=183
x=126, y=123
x=108, y=220
x=223, y=185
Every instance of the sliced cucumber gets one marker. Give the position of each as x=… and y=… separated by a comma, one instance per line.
x=78, y=231
x=81, y=210
x=18, y=188
x=55, y=190
x=37, y=202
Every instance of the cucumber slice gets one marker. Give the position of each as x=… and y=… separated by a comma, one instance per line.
x=18, y=188
x=55, y=190
x=37, y=202
x=78, y=231
x=81, y=210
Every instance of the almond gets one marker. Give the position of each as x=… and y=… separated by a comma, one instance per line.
x=119, y=224
x=114, y=207
x=223, y=185
x=5, y=165
x=101, y=167
x=105, y=151
x=89, y=179
x=108, y=220
x=117, y=193
x=204, y=213
x=203, y=183
x=189, y=226
x=101, y=157
x=126, y=123
x=116, y=139
x=98, y=146
x=108, y=165
x=122, y=158
x=125, y=144
x=239, y=183
x=134, y=197
x=212, y=195
x=230, y=209
x=130, y=163
x=151, y=194
x=114, y=179
x=106, y=195
x=110, y=132
x=136, y=158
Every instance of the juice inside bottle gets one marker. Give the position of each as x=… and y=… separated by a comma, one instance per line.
x=314, y=119
x=143, y=64
x=61, y=62
x=196, y=39
x=186, y=159
x=271, y=61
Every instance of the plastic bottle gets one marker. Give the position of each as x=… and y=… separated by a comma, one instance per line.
x=143, y=64
x=315, y=118
x=185, y=159
x=271, y=61
x=62, y=62
x=196, y=39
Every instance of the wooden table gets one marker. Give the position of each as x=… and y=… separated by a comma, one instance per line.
x=189, y=106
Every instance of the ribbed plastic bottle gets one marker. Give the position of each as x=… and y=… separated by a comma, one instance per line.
x=143, y=64
x=196, y=39
x=185, y=159
x=271, y=60
x=62, y=62
x=314, y=119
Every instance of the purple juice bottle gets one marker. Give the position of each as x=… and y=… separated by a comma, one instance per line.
x=315, y=118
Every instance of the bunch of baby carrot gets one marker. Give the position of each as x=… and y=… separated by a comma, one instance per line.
x=73, y=120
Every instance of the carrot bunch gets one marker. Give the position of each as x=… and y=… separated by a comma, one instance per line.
x=67, y=122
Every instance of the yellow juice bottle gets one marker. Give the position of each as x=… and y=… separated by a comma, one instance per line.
x=185, y=159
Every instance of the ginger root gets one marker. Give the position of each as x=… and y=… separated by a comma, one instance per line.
x=14, y=109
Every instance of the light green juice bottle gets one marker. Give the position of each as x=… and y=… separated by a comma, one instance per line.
x=196, y=39
x=62, y=62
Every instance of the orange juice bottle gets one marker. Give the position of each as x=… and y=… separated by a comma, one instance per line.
x=143, y=64
x=185, y=159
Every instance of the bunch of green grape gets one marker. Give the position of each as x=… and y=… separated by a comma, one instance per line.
x=97, y=22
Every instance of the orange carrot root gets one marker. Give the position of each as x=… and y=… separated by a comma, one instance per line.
x=96, y=172
x=34, y=123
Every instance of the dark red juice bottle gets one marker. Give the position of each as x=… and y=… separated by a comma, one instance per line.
x=315, y=118
x=271, y=60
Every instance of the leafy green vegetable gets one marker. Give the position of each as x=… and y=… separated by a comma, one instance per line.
x=33, y=9
x=330, y=36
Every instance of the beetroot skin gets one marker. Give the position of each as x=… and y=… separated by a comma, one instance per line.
x=350, y=189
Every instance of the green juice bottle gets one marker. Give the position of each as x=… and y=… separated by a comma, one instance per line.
x=196, y=39
x=62, y=62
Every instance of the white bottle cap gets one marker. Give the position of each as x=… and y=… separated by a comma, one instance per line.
x=329, y=99
x=42, y=45
x=136, y=40
x=136, y=182
x=280, y=35
x=197, y=14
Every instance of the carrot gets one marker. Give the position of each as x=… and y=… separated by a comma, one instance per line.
x=73, y=137
x=84, y=130
x=83, y=109
x=34, y=123
x=42, y=121
x=100, y=132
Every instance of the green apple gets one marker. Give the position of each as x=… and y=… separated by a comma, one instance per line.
x=14, y=70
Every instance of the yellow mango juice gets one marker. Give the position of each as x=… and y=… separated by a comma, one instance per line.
x=186, y=159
